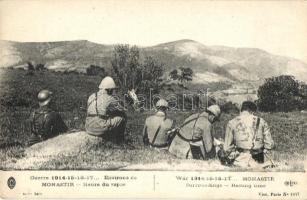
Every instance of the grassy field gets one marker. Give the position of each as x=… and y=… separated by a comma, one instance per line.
x=289, y=130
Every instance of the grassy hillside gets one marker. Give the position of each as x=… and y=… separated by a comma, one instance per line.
x=18, y=98
x=19, y=88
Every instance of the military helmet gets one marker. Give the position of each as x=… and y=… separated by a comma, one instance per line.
x=107, y=83
x=215, y=110
x=162, y=103
x=44, y=97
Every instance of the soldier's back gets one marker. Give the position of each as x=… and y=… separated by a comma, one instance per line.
x=243, y=128
x=194, y=124
x=155, y=122
x=47, y=123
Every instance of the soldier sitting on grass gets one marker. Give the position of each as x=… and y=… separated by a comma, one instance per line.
x=249, y=135
x=106, y=116
x=45, y=123
x=194, y=139
x=155, y=132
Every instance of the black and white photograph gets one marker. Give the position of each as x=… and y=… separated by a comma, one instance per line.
x=153, y=86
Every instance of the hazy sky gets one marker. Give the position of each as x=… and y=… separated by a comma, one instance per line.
x=279, y=27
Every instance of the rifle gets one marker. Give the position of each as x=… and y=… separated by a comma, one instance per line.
x=224, y=155
x=273, y=165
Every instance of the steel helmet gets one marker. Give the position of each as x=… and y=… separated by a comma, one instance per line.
x=107, y=83
x=44, y=97
x=215, y=110
x=162, y=103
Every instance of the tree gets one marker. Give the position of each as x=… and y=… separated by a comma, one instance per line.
x=303, y=96
x=303, y=89
x=131, y=73
x=184, y=74
x=151, y=74
x=174, y=74
x=279, y=94
x=126, y=66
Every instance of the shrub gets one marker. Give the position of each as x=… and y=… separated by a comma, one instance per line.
x=279, y=94
x=95, y=70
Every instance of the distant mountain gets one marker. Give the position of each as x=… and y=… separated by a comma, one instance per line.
x=67, y=55
x=236, y=64
x=210, y=63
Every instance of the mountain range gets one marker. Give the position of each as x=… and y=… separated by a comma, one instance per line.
x=210, y=63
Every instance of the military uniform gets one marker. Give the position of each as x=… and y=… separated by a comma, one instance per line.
x=155, y=132
x=45, y=123
x=249, y=135
x=197, y=131
x=105, y=117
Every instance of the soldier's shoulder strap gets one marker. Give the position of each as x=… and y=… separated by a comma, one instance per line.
x=258, y=123
x=96, y=106
x=187, y=122
x=256, y=130
x=156, y=134
x=194, y=125
x=92, y=100
x=182, y=125
x=157, y=131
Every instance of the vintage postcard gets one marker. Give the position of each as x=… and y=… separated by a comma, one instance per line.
x=153, y=99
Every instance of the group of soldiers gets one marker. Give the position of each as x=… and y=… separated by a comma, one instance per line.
x=247, y=137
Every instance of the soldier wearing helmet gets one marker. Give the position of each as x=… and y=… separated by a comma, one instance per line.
x=45, y=123
x=194, y=139
x=155, y=131
x=248, y=137
x=105, y=114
